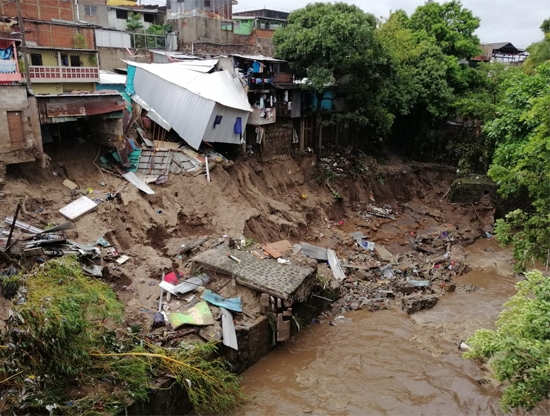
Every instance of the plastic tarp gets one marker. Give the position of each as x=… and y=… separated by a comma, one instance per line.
x=199, y=315
x=243, y=26
x=233, y=304
x=130, y=80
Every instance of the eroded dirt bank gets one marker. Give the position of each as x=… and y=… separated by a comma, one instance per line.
x=395, y=205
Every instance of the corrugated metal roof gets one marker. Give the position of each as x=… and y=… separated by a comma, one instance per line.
x=54, y=48
x=190, y=101
x=258, y=58
x=218, y=86
x=106, y=77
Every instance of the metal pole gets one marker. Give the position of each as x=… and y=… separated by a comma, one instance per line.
x=13, y=224
x=24, y=47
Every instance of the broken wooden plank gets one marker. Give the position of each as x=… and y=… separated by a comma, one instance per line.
x=271, y=251
x=282, y=246
x=228, y=329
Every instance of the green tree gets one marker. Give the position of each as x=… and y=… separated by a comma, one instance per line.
x=539, y=52
x=420, y=75
x=518, y=351
x=521, y=133
x=159, y=38
x=336, y=44
x=450, y=25
x=134, y=23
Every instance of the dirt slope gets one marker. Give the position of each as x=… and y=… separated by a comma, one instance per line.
x=276, y=198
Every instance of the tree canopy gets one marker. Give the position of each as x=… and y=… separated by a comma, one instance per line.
x=335, y=44
x=449, y=25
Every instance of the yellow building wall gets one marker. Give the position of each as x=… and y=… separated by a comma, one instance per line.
x=78, y=86
x=49, y=58
x=61, y=88
x=45, y=89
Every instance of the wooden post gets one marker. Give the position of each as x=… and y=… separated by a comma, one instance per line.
x=302, y=133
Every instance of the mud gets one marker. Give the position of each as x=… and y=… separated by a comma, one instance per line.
x=389, y=362
x=276, y=198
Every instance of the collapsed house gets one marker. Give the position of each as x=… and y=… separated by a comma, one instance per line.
x=198, y=106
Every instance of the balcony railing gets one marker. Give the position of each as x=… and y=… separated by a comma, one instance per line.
x=9, y=72
x=63, y=73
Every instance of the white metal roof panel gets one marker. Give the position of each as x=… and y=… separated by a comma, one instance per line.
x=106, y=77
x=258, y=58
x=218, y=86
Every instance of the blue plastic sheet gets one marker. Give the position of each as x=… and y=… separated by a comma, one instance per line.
x=233, y=304
x=131, y=73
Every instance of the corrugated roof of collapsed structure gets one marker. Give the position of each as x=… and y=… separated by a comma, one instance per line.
x=219, y=86
x=197, y=106
x=108, y=77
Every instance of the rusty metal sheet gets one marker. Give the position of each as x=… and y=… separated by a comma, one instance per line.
x=83, y=108
x=65, y=109
x=102, y=107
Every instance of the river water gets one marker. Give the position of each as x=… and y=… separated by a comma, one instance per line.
x=388, y=362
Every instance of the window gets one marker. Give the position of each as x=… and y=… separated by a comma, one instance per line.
x=64, y=60
x=122, y=14
x=90, y=10
x=149, y=18
x=206, y=3
x=227, y=26
x=75, y=60
x=36, y=59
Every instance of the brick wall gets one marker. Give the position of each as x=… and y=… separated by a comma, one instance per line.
x=58, y=35
x=39, y=9
x=14, y=98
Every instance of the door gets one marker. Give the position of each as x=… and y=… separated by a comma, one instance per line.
x=15, y=128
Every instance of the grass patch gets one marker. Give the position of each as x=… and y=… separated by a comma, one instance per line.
x=63, y=336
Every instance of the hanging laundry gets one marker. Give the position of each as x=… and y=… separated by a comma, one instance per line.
x=256, y=66
x=262, y=105
x=289, y=105
x=294, y=136
x=260, y=135
x=285, y=99
x=271, y=101
x=238, y=128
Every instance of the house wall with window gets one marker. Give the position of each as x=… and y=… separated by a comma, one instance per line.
x=117, y=16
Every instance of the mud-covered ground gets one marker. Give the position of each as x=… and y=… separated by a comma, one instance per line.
x=279, y=197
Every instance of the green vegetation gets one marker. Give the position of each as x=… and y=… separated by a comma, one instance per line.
x=521, y=133
x=134, y=23
x=79, y=41
x=63, y=334
x=518, y=351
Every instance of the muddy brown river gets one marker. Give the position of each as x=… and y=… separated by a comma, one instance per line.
x=388, y=362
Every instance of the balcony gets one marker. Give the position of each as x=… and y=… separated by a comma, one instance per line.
x=9, y=72
x=63, y=74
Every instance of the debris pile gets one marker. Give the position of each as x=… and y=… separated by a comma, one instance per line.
x=376, y=278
